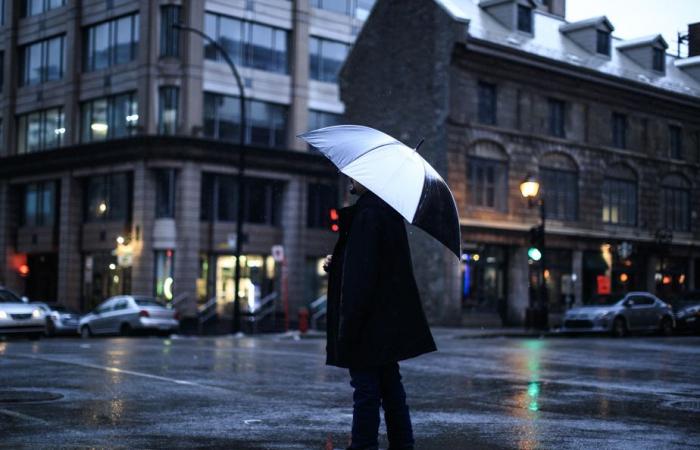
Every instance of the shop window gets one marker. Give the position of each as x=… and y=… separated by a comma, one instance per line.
x=266, y=122
x=560, y=189
x=320, y=200
x=103, y=277
x=42, y=61
x=675, y=203
x=326, y=57
x=249, y=44
x=111, y=43
x=164, y=274
x=39, y=206
x=107, y=198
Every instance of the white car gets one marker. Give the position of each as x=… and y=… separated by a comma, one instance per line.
x=129, y=314
x=18, y=317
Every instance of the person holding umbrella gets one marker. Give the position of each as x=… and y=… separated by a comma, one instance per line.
x=374, y=314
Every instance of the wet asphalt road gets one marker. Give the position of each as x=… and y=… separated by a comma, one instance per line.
x=275, y=393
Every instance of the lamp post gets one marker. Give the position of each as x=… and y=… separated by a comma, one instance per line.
x=536, y=315
x=236, y=326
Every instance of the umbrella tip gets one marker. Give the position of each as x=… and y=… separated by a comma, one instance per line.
x=419, y=144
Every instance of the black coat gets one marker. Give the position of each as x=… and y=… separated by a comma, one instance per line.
x=374, y=313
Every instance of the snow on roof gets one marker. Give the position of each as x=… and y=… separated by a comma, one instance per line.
x=549, y=42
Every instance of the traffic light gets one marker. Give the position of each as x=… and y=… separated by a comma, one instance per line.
x=536, y=243
x=334, y=220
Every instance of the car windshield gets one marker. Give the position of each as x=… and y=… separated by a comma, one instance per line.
x=148, y=301
x=604, y=301
x=8, y=297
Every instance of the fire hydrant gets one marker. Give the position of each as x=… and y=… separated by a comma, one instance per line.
x=303, y=320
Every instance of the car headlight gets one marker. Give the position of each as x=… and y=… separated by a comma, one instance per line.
x=37, y=314
x=3, y=315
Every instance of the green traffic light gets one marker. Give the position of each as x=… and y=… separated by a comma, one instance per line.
x=534, y=254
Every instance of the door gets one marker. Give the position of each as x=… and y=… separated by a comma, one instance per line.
x=641, y=312
x=42, y=280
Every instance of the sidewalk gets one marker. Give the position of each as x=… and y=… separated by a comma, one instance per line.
x=443, y=332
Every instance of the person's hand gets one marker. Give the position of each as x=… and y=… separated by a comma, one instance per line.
x=327, y=263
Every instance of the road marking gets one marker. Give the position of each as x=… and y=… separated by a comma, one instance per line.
x=21, y=416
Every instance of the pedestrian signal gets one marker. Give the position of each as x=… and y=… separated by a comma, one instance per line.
x=334, y=220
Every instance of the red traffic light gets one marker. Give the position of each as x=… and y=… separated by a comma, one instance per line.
x=334, y=220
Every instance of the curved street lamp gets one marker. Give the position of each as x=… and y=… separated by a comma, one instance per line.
x=236, y=326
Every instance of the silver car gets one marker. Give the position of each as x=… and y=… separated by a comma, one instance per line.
x=17, y=317
x=636, y=311
x=127, y=315
x=59, y=319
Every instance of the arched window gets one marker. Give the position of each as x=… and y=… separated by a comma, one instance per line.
x=620, y=196
x=559, y=178
x=675, y=202
x=487, y=175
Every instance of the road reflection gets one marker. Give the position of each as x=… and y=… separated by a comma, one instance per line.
x=527, y=364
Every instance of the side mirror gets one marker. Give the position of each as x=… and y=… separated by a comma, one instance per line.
x=24, y=299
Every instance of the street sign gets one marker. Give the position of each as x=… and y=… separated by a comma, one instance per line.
x=603, y=283
x=278, y=253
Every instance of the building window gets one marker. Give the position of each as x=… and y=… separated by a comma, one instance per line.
x=261, y=203
x=107, y=198
x=325, y=59
x=111, y=43
x=675, y=203
x=659, y=62
x=41, y=61
x=249, y=44
x=169, y=35
x=488, y=183
x=2, y=12
x=164, y=274
x=560, y=189
x=266, y=122
x=338, y=6
x=619, y=130
x=41, y=130
x=39, y=207
x=110, y=117
x=675, y=142
x=165, y=193
x=168, y=102
x=322, y=119
x=363, y=8
x=557, y=117
x=35, y=7
x=321, y=199
x=603, y=42
x=487, y=103
x=620, y=201
x=524, y=19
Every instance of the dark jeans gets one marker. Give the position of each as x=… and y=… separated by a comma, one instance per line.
x=375, y=386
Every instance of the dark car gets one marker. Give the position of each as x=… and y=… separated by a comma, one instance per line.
x=687, y=312
x=636, y=311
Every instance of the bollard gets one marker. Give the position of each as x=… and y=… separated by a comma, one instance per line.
x=303, y=320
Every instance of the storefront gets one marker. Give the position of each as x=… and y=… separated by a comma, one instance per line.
x=103, y=277
x=316, y=279
x=42, y=277
x=559, y=279
x=484, y=279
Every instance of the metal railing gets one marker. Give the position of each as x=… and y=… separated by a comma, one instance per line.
x=178, y=299
x=318, y=309
x=266, y=308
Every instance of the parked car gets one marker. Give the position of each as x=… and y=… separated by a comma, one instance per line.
x=636, y=311
x=687, y=310
x=127, y=315
x=18, y=317
x=59, y=319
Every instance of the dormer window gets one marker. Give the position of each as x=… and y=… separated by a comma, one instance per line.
x=525, y=19
x=659, y=63
x=603, y=42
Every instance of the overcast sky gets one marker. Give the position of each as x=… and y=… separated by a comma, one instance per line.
x=636, y=18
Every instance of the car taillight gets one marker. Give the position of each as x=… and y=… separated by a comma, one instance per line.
x=144, y=313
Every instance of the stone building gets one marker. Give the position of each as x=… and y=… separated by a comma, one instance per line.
x=119, y=147
x=506, y=89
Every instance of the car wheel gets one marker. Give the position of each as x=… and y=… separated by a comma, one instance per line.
x=666, y=327
x=125, y=330
x=619, y=328
x=85, y=332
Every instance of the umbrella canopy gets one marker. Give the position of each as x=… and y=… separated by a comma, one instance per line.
x=394, y=172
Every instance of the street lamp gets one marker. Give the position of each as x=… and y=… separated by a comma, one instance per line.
x=536, y=315
x=236, y=327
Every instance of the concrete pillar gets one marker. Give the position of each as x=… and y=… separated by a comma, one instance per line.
x=577, y=270
x=143, y=216
x=299, y=68
x=518, y=292
x=7, y=272
x=293, y=223
x=188, y=187
x=191, y=94
x=437, y=274
x=70, y=268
